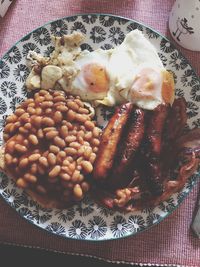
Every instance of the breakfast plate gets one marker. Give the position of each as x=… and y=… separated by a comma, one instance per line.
x=89, y=220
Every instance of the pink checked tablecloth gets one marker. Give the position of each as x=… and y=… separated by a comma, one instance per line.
x=169, y=243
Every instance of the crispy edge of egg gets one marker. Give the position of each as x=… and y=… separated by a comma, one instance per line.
x=168, y=87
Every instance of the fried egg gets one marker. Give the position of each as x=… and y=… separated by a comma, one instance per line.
x=92, y=79
x=130, y=72
x=137, y=74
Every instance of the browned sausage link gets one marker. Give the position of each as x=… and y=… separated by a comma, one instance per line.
x=177, y=118
x=110, y=140
x=154, y=135
x=155, y=129
x=129, y=145
x=173, y=132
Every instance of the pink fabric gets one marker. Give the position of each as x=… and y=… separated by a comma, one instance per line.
x=170, y=242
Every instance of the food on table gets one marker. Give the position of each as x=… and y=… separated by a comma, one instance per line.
x=50, y=147
x=55, y=150
x=141, y=171
x=128, y=148
x=131, y=72
x=109, y=141
x=152, y=149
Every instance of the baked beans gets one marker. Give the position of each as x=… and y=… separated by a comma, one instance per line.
x=52, y=144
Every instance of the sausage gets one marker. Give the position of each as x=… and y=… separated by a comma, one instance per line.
x=153, y=149
x=129, y=145
x=177, y=119
x=131, y=142
x=174, y=130
x=110, y=140
x=155, y=128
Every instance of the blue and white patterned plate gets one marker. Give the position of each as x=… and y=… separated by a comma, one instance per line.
x=88, y=220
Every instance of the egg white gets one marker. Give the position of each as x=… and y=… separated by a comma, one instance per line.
x=127, y=60
x=123, y=65
x=79, y=85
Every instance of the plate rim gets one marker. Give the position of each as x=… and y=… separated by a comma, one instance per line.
x=197, y=173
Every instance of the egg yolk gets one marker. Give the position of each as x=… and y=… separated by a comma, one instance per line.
x=146, y=85
x=96, y=78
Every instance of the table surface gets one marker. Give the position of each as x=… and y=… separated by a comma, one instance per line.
x=22, y=17
x=10, y=255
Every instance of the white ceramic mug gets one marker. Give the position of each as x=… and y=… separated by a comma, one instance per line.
x=184, y=23
x=4, y=5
